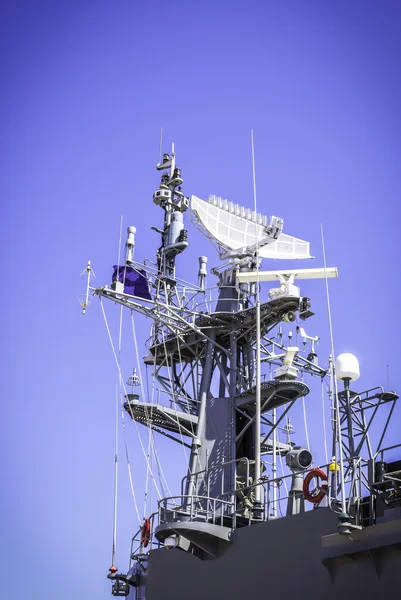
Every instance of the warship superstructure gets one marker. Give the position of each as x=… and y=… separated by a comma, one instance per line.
x=231, y=361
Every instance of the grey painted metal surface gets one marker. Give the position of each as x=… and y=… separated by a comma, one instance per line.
x=279, y=559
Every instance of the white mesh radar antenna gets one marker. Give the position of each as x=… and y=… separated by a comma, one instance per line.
x=239, y=231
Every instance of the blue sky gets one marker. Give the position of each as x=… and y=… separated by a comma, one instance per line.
x=85, y=89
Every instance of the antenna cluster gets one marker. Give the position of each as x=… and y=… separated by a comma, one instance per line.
x=201, y=338
x=172, y=200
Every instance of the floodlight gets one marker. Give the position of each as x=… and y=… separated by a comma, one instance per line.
x=299, y=459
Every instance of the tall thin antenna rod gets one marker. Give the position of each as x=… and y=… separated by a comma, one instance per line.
x=258, y=490
x=253, y=171
x=119, y=242
x=274, y=466
x=337, y=409
x=161, y=144
x=113, y=555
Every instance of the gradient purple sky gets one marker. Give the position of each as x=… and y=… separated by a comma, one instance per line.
x=85, y=87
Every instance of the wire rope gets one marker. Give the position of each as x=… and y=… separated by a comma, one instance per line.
x=305, y=422
x=125, y=391
x=336, y=402
x=148, y=492
x=258, y=340
x=129, y=463
x=324, y=423
x=120, y=394
x=114, y=546
x=282, y=473
x=149, y=420
x=152, y=442
x=174, y=400
x=118, y=387
x=160, y=472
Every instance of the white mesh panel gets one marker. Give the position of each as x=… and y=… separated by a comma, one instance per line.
x=236, y=231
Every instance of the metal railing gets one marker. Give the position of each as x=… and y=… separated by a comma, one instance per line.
x=137, y=549
x=227, y=509
x=383, y=450
x=194, y=508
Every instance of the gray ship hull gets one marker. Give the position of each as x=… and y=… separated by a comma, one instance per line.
x=287, y=557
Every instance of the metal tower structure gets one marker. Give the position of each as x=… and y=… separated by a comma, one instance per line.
x=192, y=349
x=228, y=376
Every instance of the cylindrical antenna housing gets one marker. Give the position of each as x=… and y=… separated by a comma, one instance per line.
x=202, y=271
x=130, y=244
x=176, y=226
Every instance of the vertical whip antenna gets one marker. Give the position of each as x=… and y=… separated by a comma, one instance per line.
x=274, y=465
x=119, y=241
x=257, y=316
x=161, y=144
x=337, y=409
x=113, y=553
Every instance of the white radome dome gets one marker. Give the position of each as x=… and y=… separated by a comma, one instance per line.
x=347, y=367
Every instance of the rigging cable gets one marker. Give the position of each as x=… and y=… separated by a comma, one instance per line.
x=305, y=423
x=125, y=391
x=324, y=422
x=113, y=552
x=151, y=436
x=337, y=408
x=258, y=340
x=128, y=462
x=184, y=381
x=279, y=498
x=121, y=403
x=123, y=419
x=283, y=473
x=164, y=486
x=150, y=454
x=149, y=420
x=174, y=400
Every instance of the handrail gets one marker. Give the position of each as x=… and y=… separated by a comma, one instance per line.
x=188, y=507
x=217, y=509
x=138, y=539
x=383, y=450
x=226, y=504
x=186, y=496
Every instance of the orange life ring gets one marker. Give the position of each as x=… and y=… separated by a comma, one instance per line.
x=145, y=533
x=323, y=487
